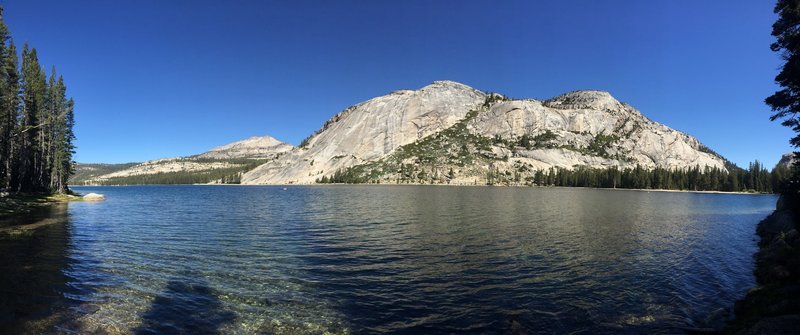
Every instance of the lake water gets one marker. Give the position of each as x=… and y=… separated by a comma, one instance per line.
x=380, y=259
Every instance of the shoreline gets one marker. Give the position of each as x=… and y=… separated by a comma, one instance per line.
x=440, y=185
x=772, y=307
x=14, y=206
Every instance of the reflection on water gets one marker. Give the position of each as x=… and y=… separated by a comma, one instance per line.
x=34, y=252
x=365, y=259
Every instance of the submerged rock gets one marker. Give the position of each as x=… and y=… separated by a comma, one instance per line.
x=94, y=197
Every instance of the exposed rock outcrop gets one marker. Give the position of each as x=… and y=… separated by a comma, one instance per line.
x=458, y=128
x=446, y=132
x=94, y=197
x=371, y=130
x=578, y=119
x=255, y=147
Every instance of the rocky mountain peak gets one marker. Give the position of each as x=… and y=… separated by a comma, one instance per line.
x=584, y=99
x=448, y=126
x=253, y=147
x=370, y=130
x=446, y=88
x=447, y=84
x=254, y=141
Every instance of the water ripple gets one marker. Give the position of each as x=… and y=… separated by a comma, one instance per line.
x=435, y=260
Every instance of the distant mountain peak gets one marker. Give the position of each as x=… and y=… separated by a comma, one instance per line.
x=223, y=164
x=253, y=141
x=252, y=147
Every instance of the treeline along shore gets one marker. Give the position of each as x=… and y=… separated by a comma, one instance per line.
x=36, y=123
x=755, y=179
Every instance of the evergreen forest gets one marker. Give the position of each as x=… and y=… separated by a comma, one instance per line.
x=36, y=123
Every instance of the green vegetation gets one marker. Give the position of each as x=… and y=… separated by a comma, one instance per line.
x=36, y=121
x=453, y=145
x=544, y=140
x=785, y=103
x=492, y=98
x=456, y=152
x=421, y=161
x=305, y=141
x=766, y=308
x=601, y=144
x=781, y=177
x=755, y=179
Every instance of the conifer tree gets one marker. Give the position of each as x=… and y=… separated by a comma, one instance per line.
x=9, y=103
x=785, y=103
x=36, y=123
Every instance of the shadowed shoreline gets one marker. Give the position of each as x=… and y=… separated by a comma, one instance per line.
x=32, y=280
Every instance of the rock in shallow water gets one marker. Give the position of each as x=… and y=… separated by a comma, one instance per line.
x=94, y=197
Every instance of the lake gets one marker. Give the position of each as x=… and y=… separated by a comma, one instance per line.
x=380, y=259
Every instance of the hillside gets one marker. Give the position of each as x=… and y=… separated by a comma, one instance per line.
x=369, y=131
x=87, y=171
x=448, y=132
x=223, y=164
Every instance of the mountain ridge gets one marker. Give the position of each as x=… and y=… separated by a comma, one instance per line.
x=222, y=164
x=585, y=127
x=370, y=130
x=449, y=132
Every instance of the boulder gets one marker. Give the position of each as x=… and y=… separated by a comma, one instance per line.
x=94, y=197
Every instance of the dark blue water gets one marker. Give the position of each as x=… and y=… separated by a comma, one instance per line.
x=400, y=259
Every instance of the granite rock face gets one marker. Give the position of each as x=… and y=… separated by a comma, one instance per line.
x=578, y=119
x=371, y=130
x=581, y=128
x=253, y=148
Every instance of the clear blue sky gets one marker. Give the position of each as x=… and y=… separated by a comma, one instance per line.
x=156, y=79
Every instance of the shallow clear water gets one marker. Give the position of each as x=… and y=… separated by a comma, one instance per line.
x=394, y=259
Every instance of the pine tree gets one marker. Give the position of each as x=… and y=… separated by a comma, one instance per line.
x=28, y=132
x=64, y=148
x=785, y=103
x=7, y=115
x=36, y=123
x=9, y=103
